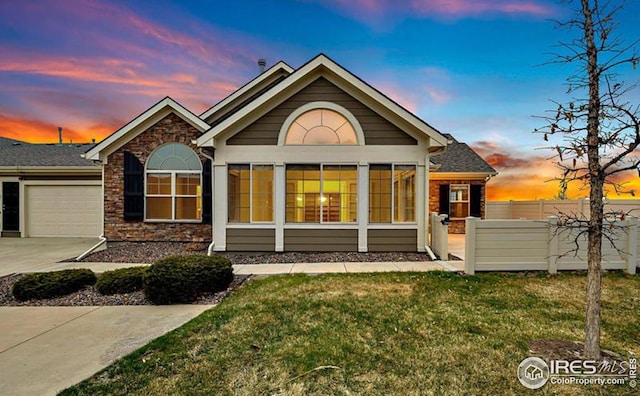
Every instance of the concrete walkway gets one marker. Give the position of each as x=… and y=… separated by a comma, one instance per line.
x=44, y=350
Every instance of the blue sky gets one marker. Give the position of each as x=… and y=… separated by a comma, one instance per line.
x=472, y=68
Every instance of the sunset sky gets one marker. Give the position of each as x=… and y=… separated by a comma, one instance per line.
x=472, y=68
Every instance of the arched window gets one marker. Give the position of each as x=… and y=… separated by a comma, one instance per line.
x=173, y=184
x=321, y=123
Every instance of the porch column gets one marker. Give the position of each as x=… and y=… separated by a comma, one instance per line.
x=280, y=190
x=422, y=204
x=363, y=206
x=220, y=208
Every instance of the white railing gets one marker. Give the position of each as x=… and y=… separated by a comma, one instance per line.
x=541, y=209
x=542, y=245
x=440, y=235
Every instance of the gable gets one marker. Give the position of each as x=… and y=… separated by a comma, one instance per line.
x=377, y=130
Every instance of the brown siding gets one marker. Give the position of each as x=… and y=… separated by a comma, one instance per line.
x=456, y=226
x=251, y=240
x=377, y=130
x=170, y=129
x=392, y=240
x=320, y=240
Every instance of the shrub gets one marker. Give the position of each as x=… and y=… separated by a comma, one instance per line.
x=179, y=279
x=122, y=280
x=52, y=284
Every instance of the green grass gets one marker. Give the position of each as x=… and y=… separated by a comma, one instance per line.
x=382, y=334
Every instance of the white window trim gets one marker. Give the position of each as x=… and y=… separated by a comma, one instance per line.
x=468, y=201
x=273, y=194
x=321, y=105
x=393, y=201
x=173, y=195
x=321, y=192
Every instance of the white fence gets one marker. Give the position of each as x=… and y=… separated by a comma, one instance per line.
x=440, y=235
x=541, y=209
x=530, y=245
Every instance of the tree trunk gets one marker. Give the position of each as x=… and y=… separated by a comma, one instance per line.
x=596, y=180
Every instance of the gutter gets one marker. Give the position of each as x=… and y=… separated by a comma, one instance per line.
x=102, y=240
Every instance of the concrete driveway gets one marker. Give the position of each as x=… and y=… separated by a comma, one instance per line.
x=38, y=254
x=44, y=350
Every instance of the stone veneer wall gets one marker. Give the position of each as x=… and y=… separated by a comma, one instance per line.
x=171, y=129
x=456, y=226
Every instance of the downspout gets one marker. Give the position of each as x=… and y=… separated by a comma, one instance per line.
x=213, y=242
x=102, y=240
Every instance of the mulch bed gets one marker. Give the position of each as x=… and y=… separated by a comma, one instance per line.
x=89, y=296
x=148, y=252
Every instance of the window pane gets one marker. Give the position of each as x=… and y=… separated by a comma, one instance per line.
x=238, y=193
x=459, y=193
x=404, y=186
x=303, y=193
x=159, y=183
x=159, y=208
x=380, y=193
x=187, y=184
x=321, y=126
x=262, y=205
x=174, y=156
x=339, y=193
x=187, y=208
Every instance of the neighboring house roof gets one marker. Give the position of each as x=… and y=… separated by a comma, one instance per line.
x=247, y=92
x=323, y=65
x=141, y=123
x=460, y=158
x=22, y=154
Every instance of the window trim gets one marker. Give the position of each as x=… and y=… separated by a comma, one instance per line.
x=282, y=137
x=468, y=201
x=173, y=173
x=393, y=201
x=322, y=165
x=273, y=193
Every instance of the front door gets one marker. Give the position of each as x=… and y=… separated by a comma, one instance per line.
x=10, y=206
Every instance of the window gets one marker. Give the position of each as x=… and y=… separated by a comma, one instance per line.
x=459, y=201
x=321, y=126
x=173, y=184
x=392, y=192
x=322, y=194
x=250, y=193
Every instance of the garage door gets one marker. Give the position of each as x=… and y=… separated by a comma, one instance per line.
x=63, y=211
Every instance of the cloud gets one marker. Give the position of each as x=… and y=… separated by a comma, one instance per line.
x=381, y=13
x=35, y=131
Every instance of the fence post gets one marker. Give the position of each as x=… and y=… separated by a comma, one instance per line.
x=632, y=245
x=540, y=209
x=470, y=245
x=554, y=244
x=443, y=237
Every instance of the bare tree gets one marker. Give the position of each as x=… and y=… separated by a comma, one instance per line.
x=597, y=132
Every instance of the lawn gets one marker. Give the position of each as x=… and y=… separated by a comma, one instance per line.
x=382, y=334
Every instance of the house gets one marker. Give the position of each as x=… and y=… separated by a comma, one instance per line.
x=48, y=190
x=457, y=184
x=312, y=159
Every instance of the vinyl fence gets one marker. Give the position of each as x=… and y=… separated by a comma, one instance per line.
x=520, y=245
x=541, y=209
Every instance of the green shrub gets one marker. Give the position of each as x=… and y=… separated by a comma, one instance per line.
x=122, y=280
x=179, y=279
x=52, y=284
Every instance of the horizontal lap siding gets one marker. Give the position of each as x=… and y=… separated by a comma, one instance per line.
x=377, y=130
x=511, y=247
x=390, y=240
x=320, y=240
x=251, y=240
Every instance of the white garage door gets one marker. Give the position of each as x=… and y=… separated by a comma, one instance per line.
x=63, y=211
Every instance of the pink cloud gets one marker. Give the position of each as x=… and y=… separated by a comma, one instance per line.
x=439, y=96
x=464, y=8
x=398, y=95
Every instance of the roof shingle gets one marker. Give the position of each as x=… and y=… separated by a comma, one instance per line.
x=17, y=153
x=458, y=157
